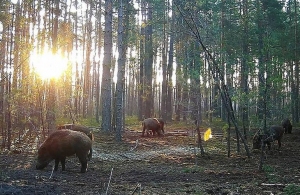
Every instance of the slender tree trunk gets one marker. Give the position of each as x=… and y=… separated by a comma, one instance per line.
x=99, y=38
x=261, y=79
x=296, y=89
x=87, y=67
x=178, y=102
x=107, y=62
x=164, y=75
x=244, y=68
x=123, y=4
x=185, y=91
x=141, y=85
x=148, y=91
x=169, y=107
x=4, y=39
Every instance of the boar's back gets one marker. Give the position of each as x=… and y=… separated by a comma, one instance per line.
x=80, y=128
x=66, y=143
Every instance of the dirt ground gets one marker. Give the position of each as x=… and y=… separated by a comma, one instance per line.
x=156, y=165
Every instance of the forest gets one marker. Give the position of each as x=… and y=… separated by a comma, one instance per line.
x=224, y=64
x=66, y=61
x=73, y=60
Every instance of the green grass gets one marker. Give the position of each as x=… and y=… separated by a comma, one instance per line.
x=270, y=173
x=193, y=169
x=291, y=189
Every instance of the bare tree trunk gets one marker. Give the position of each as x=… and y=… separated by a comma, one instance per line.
x=244, y=68
x=296, y=89
x=178, y=102
x=122, y=46
x=107, y=62
x=185, y=93
x=87, y=68
x=164, y=75
x=148, y=91
x=98, y=38
x=3, y=40
x=141, y=86
x=169, y=104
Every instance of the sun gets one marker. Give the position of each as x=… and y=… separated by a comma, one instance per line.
x=48, y=65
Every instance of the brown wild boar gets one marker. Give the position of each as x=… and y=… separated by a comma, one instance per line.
x=275, y=133
x=61, y=144
x=153, y=124
x=80, y=128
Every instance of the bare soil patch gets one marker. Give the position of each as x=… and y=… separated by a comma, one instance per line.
x=155, y=165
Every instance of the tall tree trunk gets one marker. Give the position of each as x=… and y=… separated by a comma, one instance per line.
x=261, y=67
x=148, y=91
x=107, y=62
x=121, y=67
x=244, y=68
x=185, y=91
x=4, y=37
x=178, y=102
x=141, y=85
x=296, y=60
x=87, y=67
x=99, y=43
x=164, y=74
x=169, y=104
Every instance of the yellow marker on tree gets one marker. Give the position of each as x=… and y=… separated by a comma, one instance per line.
x=207, y=134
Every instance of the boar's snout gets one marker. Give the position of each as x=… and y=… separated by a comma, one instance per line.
x=40, y=165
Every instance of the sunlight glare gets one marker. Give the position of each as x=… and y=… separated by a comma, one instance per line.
x=48, y=65
x=207, y=134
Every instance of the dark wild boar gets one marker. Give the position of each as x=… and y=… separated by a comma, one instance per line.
x=153, y=124
x=275, y=133
x=80, y=128
x=287, y=125
x=61, y=144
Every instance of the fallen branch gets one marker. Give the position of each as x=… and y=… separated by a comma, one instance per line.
x=136, y=144
x=139, y=186
x=109, y=181
x=52, y=172
x=273, y=184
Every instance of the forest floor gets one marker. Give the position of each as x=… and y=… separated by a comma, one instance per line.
x=158, y=165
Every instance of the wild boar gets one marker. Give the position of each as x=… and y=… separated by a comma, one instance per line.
x=275, y=133
x=287, y=125
x=153, y=124
x=80, y=128
x=61, y=144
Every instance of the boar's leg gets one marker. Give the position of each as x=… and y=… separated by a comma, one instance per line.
x=83, y=162
x=269, y=145
x=279, y=143
x=160, y=132
x=147, y=132
x=63, y=163
x=56, y=164
x=143, y=130
x=82, y=156
x=90, y=154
